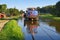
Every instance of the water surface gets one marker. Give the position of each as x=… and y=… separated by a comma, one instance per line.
x=40, y=30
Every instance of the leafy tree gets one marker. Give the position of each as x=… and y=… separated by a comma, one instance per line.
x=3, y=8
x=12, y=11
x=53, y=9
x=0, y=8
x=46, y=9
x=58, y=8
x=38, y=8
x=16, y=11
x=21, y=11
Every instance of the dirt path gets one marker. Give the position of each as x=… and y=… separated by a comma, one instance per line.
x=2, y=23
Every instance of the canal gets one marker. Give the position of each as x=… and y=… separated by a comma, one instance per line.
x=40, y=30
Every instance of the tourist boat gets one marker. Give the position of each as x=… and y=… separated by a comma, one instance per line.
x=31, y=14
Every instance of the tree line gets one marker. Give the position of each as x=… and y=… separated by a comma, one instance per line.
x=10, y=11
x=52, y=9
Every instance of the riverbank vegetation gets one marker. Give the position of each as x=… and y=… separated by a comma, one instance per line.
x=51, y=9
x=50, y=16
x=10, y=12
x=11, y=31
x=11, y=18
x=50, y=12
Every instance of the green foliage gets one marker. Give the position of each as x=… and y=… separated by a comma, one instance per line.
x=52, y=9
x=47, y=9
x=11, y=31
x=3, y=8
x=49, y=16
x=21, y=11
x=58, y=8
x=38, y=9
x=12, y=11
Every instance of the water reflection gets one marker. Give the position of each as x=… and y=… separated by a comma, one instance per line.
x=31, y=26
x=36, y=30
x=56, y=25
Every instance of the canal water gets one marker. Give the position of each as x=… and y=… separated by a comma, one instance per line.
x=40, y=30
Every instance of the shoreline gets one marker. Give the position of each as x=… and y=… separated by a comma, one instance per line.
x=49, y=16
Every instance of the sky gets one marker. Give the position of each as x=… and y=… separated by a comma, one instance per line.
x=23, y=4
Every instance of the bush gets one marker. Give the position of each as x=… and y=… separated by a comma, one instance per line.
x=11, y=31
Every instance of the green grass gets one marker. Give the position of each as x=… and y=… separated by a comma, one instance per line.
x=11, y=31
x=11, y=17
x=49, y=16
x=56, y=18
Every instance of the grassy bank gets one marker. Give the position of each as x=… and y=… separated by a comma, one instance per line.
x=49, y=16
x=11, y=31
x=11, y=17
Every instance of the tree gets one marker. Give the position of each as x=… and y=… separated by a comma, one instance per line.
x=16, y=11
x=38, y=9
x=21, y=11
x=0, y=8
x=3, y=8
x=53, y=10
x=58, y=8
x=12, y=11
x=46, y=9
